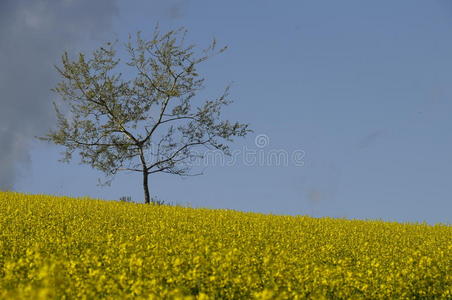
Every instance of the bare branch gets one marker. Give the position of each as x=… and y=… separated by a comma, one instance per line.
x=170, y=158
x=129, y=169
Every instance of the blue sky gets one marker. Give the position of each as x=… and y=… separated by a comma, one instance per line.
x=363, y=88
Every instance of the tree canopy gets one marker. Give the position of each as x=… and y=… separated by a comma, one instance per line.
x=146, y=120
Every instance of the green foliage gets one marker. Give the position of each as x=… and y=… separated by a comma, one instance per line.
x=125, y=199
x=146, y=120
x=158, y=201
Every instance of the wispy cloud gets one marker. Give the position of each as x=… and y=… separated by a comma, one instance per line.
x=33, y=36
x=370, y=139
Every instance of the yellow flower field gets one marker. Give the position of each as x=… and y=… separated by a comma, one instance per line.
x=66, y=248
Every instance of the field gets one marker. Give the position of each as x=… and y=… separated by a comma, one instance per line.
x=66, y=248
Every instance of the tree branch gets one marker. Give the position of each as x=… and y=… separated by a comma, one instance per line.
x=178, y=118
x=162, y=112
x=175, y=153
x=129, y=169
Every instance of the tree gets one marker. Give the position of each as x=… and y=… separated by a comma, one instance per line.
x=147, y=123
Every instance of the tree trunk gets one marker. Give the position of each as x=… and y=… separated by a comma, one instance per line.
x=147, y=198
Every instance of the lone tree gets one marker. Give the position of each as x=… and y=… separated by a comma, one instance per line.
x=147, y=122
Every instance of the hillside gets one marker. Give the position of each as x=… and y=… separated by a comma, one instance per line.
x=59, y=246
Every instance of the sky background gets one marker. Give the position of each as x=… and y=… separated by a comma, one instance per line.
x=362, y=88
